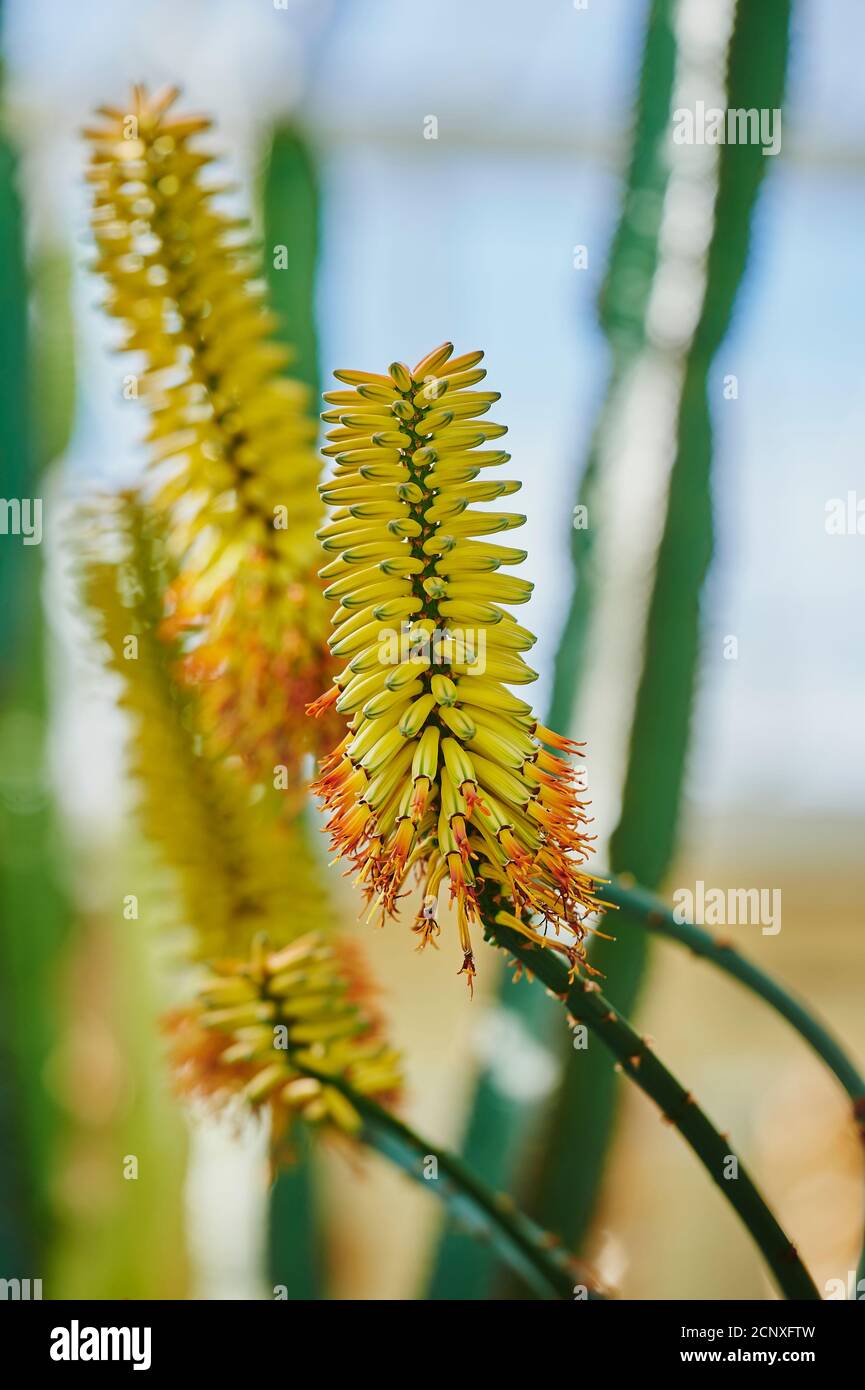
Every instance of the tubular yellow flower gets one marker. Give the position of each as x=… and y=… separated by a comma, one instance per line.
x=258, y=1023
x=443, y=771
x=233, y=466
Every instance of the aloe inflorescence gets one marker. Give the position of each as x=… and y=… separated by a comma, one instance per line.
x=233, y=464
x=443, y=772
x=246, y=889
x=221, y=844
x=257, y=1023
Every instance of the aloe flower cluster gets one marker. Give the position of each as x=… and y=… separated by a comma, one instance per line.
x=245, y=884
x=233, y=464
x=203, y=588
x=444, y=773
x=258, y=1023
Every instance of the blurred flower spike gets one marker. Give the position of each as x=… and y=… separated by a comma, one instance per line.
x=233, y=465
x=444, y=773
x=245, y=889
x=273, y=1028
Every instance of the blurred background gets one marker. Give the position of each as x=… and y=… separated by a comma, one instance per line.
x=676, y=334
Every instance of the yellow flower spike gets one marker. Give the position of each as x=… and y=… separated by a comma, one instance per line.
x=230, y=858
x=237, y=871
x=245, y=885
x=477, y=797
x=233, y=463
x=305, y=1003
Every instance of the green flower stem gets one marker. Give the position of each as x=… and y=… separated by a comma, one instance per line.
x=550, y=1271
x=586, y=1004
x=658, y=917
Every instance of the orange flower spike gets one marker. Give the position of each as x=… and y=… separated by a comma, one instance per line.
x=463, y=780
x=352, y=828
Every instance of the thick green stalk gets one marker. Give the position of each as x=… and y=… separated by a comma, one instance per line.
x=17, y=1258
x=295, y=1246
x=586, y=1004
x=501, y=1127
x=548, y=1269
x=33, y=925
x=291, y=212
x=291, y=215
x=654, y=914
x=16, y=455
x=622, y=311
x=34, y=420
x=644, y=840
x=494, y=1144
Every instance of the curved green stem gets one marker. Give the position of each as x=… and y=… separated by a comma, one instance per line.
x=658, y=917
x=586, y=1004
x=550, y=1271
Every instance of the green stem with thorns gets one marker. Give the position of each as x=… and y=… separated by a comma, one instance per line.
x=655, y=915
x=549, y=1270
x=586, y=1004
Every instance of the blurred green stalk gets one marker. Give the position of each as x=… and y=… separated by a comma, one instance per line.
x=548, y=1270
x=562, y=1194
x=34, y=913
x=18, y=1222
x=291, y=212
x=644, y=840
x=502, y=1127
x=291, y=217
